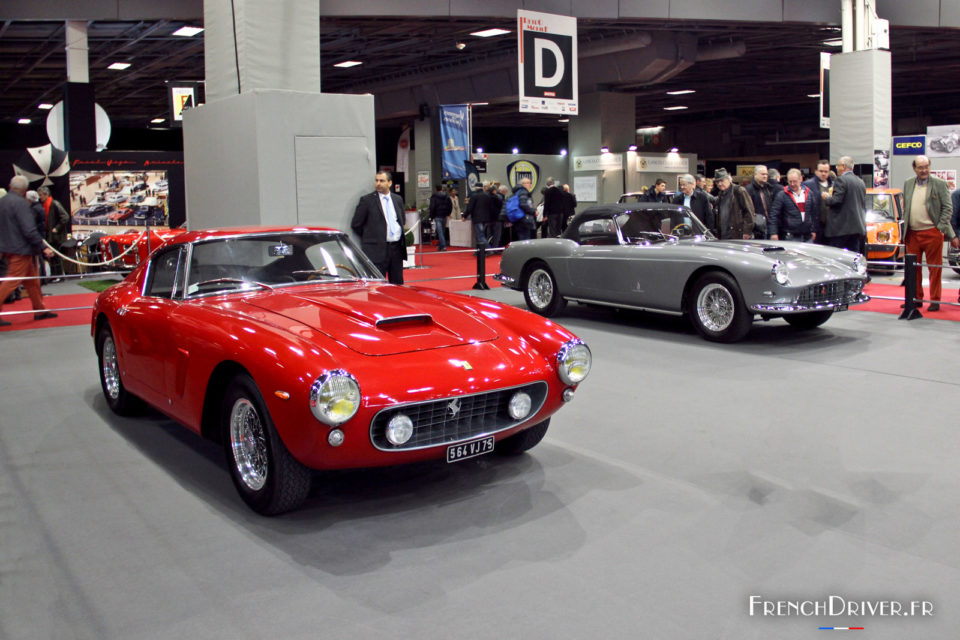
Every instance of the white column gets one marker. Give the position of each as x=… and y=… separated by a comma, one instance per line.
x=78, y=69
x=251, y=44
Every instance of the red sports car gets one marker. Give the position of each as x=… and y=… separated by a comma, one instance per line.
x=112, y=246
x=287, y=346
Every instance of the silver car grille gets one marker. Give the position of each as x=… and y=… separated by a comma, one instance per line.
x=455, y=419
x=833, y=292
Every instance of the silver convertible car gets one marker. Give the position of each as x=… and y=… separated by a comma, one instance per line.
x=659, y=257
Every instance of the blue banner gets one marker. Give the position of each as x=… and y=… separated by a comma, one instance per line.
x=455, y=139
x=909, y=145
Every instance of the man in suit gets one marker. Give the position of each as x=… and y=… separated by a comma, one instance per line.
x=378, y=221
x=695, y=199
x=846, y=226
x=926, y=213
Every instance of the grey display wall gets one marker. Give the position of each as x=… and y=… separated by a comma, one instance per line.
x=901, y=167
x=278, y=158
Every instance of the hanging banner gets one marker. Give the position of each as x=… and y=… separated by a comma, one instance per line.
x=824, y=90
x=403, y=151
x=547, y=62
x=455, y=135
x=473, y=176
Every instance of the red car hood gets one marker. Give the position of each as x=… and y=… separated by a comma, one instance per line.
x=378, y=319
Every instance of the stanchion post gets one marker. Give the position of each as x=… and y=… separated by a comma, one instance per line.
x=481, y=265
x=910, y=310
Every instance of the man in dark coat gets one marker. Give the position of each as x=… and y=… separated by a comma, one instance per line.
x=762, y=192
x=695, y=200
x=658, y=192
x=378, y=220
x=820, y=184
x=440, y=207
x=846, y=226
x=553, y=207
x=20, y=243
x=734, y=209
x=482, y=210
x=795, y=214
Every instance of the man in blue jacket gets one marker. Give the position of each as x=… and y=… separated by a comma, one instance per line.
x=795, y=212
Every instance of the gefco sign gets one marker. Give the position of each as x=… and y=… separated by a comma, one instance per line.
x=547, y=62
x=909, y=145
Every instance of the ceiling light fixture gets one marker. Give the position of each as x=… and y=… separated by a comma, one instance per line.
x=632, y=147
x=158, y=120
x=813, y=95
x=564, y=120
x=487, y=33
x=461, y=46
x=346, y=64
x=681, y=92
x=515, y=151
x=479, y=149
x=187, y=32
x=24, y=121
x=119, y=66
x=834, y=42
x=674, y=150
x=604, y=149
x=563, y=152
x=46, y=106
x=677, y=108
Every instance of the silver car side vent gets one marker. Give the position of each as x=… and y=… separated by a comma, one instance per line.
x=414, y=317
x=770, y=249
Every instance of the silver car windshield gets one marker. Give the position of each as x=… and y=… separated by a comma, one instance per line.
x=269, y=261
x=650, y=225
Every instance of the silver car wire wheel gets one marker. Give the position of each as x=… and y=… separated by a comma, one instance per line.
x=111, y=368
x=249, y=445
x=540, y=288
x=716, y=307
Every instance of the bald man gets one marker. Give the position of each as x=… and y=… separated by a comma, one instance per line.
x=926, y=212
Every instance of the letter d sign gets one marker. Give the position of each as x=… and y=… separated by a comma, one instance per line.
x=547, y=71
x=547, y=62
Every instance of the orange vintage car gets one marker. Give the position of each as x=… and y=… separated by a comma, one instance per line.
x=884, y=227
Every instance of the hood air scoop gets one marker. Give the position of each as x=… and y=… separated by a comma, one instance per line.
x=422, y=318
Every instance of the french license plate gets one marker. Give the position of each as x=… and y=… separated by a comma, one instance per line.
x=472, y=449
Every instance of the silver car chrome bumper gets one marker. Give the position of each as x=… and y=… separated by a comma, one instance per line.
x=507, y=280
x=796, y=307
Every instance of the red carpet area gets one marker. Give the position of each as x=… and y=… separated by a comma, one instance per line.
x=453, y=270
x=81, y=304
x=947, y=311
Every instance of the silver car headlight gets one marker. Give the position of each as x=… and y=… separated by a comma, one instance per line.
x=573, y=361
x=780, y=273
x=860, y=264
x=334, y=397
